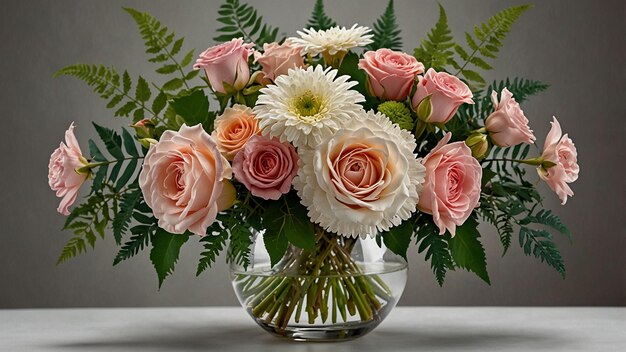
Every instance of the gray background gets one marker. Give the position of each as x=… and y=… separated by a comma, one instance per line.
x=576, y=46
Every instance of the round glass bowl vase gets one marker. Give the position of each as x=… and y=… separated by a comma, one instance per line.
x=339, y=290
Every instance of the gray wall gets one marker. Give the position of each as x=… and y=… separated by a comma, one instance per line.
x=576, y=46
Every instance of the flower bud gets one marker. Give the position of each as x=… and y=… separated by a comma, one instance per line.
x=478, y=144
x=146, y=142
x=144, y=128
x=425, y=108
x=398, y=113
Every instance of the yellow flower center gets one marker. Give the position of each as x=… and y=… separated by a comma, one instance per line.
x=307, y=105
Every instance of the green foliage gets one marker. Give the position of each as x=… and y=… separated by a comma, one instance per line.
x=286, y=221
x=139, y=239
x=114, y=144
x=547, y=218
x=165, y=250
x=213, y=245
x=436, y=247
x=435, y=50
x=539, y=244
x=467, y=251
x=194, y=109
x=485, y=43
x=123, y=218
x=398, y=238
x=243, y=21
x=386, y=31
x=350, y=66
x=240, y=242
x=319, y=20
x=164, y=49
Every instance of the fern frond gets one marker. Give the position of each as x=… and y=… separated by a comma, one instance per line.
x=485, y=43
x=137, y=242
x=435, y=50
x=122, y=219
x=437, y=251
x=386, y=31
x=162, y=45
x=319, y=19
x=243, y=21
x=539, y=244
x=213, y=245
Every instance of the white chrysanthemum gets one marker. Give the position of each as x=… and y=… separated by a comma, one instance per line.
x=362, y=180
x=332, y=40
x=307, y=105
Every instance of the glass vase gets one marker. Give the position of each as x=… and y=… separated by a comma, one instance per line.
x=339, y=290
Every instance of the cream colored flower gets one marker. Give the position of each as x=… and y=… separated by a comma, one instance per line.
x=307, y=105
x=332, y=40
x=363, y=179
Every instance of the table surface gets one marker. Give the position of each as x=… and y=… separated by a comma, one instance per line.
x=230, y=329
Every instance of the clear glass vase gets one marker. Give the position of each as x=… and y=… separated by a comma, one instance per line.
x=340, y=290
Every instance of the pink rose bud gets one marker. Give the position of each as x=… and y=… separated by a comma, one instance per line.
x=448, y=93
x=452, y=186
x=390, y=74
x=560, y=151
x=277, y=59
x=63, y=175
x=184, y=180
x=266, y=167
x=144, y=128
x=233, y=129
x=226, y=63
x=507, y=125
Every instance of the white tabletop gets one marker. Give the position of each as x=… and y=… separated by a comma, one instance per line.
x=230, y=329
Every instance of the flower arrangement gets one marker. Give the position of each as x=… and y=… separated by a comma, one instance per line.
x=318, y=139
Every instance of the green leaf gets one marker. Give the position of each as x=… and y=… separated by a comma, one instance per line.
x=276, y=244
x=539, y=244
x=467, y=251
x=240, y=242
x=386, y=31
x=165, y=250
x=547, y=218
x=129, y=143
x=112, y=141
x=194, y=108
x=436, y=247
x=434, y=50
x=137, y=242
x=243, y=21
x=142, y=91
x=319, y=20
x=398, y=238
x=122, y=218
x=129, y=171
x=213, y=245
x=159, y=103
x=74, y=246
x=173, y=84
x=289, y=218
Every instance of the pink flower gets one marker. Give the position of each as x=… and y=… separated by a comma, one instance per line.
x=184, y=180
x=448, y=93
x=266, y=167
x=277, y=59
x=63, y=175
x=233, y=129
x=561, y=151
x=452, y=187
x=390, y=73
x=507, y=125
x=226, y=63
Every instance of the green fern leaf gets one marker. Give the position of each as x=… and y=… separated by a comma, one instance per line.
x=386, y=31
x=243, y=21
x=213, y=245
x=165, y=251
x=122, y=219
x=486, y=41
x=435, y=50
x=137, y=242
x=319, y=20
x=436, y=247
x=539, y=244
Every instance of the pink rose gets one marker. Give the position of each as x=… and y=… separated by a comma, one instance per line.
x=277, y=59
x=452, y=187
x=507, y=125
x=448, y=93
x=390, y=73
x=63, y=175
x=266, y=167
x=226, y=62
x=184, y=180
x=561, y=151
x=233, y=129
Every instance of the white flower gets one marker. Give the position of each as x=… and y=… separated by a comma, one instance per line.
x=305, y=106
x=363, y=179
x=332, y=40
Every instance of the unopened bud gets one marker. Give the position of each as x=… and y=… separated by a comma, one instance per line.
x=477, y=142
x=144, y=128
x=147, y=142
x=424, y=108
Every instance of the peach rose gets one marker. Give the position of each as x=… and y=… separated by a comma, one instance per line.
x=561, y=151
x=448, y=93
x=63, y=175
x=184, y=180
x=277, y=59
x=226, y=63
x=452, y=186
x=390, y=73
x=233, y=129
x=507, y=125
x=266, y=167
